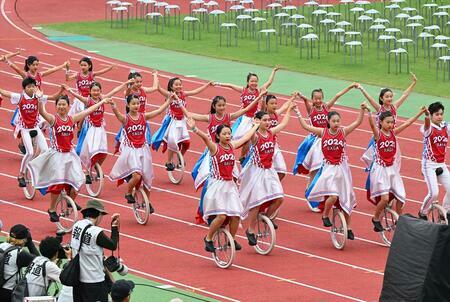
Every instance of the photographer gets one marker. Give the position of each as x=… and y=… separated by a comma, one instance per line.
x=92, y=285
x=14, y=258
x=50, y=249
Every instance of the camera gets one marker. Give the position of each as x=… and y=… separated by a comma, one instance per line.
x=61, y=250
x=114, y=264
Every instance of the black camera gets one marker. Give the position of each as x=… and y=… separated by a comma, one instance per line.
x=114, y=264
x=63, y=247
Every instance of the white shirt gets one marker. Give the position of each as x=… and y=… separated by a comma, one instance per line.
x=37, y=286
x=15, y=98
x=10, y=266
x=91, y=255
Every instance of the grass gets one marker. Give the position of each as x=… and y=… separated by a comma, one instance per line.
x=371, y=71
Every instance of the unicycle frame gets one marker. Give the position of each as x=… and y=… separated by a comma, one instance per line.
x=341, y=230
x=223, y=242
x=63, y=200
x=100, y=176
x=181, y=161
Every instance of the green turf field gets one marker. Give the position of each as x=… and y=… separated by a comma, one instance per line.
x=372, y=71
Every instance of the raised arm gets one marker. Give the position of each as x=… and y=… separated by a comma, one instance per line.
x=339, y=94
x=54, y=69
x=117, y=89
x=164, y=92
x=349, y=129
x=121, y=117
x=209, y=144
x=284, y=121
x=369, y=98
x=104, y=70
x=83, y=99
x=50, y=118
x=409, y=121
x=255, y=102
x=427, y=121
x=286, y=104
x=53, y=97
x=232, y=86
x=307, y=102
x=155, y=84
x=194, y=116
x=373, y=127
x=315, y=130
x=80, y=116
x=199, y=89
x=407, y=92
x=19, y=71
x=5, y=93
x=269, y=82
x=248, y=136
x=158, y=111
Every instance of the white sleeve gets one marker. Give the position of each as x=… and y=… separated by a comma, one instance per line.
x=15, y=98
x=43, y=99
x=53, y=271
x=427, y=132
x=448, y=129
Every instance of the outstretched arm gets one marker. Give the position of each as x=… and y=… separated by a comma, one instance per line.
x=407, y=92
x=158, y=111
x=117, y=89
x=248, y=136
x=194, y=116
x=199, y=89
x=83, y=99
x=375, y=131
x=232, y=86
x=104, y=70
x=254, y=103
x=315, y=130
x=56, y=95
x=427, y=121
x=285, y=119
x=269, y=82
x=307, y=102
x=5, y=93
x=121, y=117
x=209, y=144
x=80, y=116
x=286, y=105
x=155, y=84
x=9, y=55
x=409, y=121
x=349, y=129
x=19, y=71
x=54, y=69
x=339, y=94
x=371, y=100
x=49, y=118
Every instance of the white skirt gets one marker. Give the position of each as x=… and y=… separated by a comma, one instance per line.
x=314, y=158
x=385, y=180
x=333, y=180
x=278, y=161
x=258, y=186
x=76, y=107
x=245, y=124
x=133, y=160
x=53, y=168
x=94, y=143
x=221, y=197
x=176, y=133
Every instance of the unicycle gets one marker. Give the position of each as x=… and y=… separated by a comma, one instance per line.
x=67, y=212
x=29, y=191
x=176, y=176
x=97, y=177
x=437, y=213
x=388, y=219
x=265, y=235
x=224, y=248
x=141, y=208
x=339, y=229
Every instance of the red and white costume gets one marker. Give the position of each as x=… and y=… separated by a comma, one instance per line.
x=278, y=160
x=334, y=178
x=177, y=131
x=135, y=155
x=95, y=142
x=259, y=180
x=28, y=120
x=59, y=164
x=435, y=141
x=245, y=121
x=384, y=174
x=37, y=78
x=314, y=158
x=83, y=84
x=222, y=196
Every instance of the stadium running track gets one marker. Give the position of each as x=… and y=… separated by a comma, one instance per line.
x=303, y=266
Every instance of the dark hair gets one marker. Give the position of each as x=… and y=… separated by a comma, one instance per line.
x=269, y=97
x=251, y=75
x=130, y=97
x=215, y=100
x=28, y=61
x=330, y=115
x=62, y=97
x=170, y=84
x=219, y=130
x=49, y=247
x=382, y=93
x=316, y=90
x=91, y=213
x=435, y=107
x=93, y=84
x=88, y=61
x=260, y=114
x=134, y=75
x=28, y=81
x=383, y=115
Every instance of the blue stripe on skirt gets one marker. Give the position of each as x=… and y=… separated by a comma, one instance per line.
x=14, y=116
x=84, y=130
x=236, y=125
x=158, y=138
x=313, y=204
x=303, y=150
x=194, y=172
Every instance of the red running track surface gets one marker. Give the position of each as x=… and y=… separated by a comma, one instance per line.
x=304, y=265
